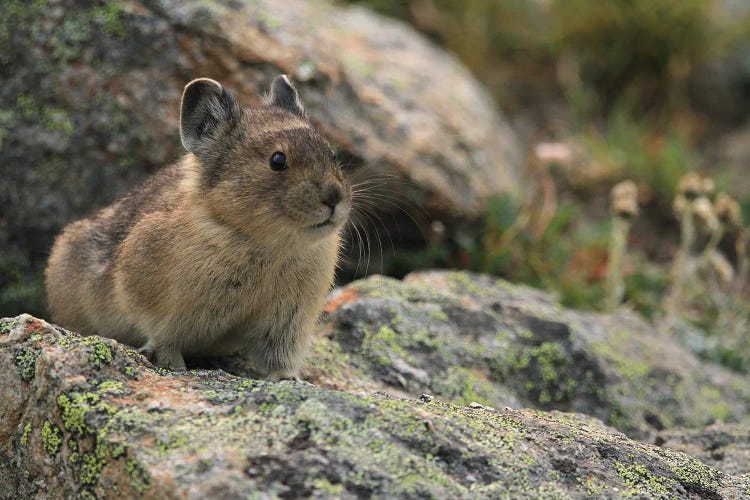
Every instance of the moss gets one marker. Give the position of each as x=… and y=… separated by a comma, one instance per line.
x=51, y=438
x=100, y=353
x=26, y=359
x=26, y=434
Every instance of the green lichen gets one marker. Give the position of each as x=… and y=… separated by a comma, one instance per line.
x=7, y=325
x=26, y=359
x=85, y=495
x=639, y=481
x=131, y=371
x=553, y=364
x=50, y=117
x=111, y=14
x=93, y=462
x=139, y=478
x=51, y=438
x=462, y=280
x=593, y=488
x=112, y=386
x=327, y=488
x=424, y=337
x=75, y=451
x=26, y=434
x=100, y=353
x=84, y=24
x=714, y=403
x=691, y=472
x=461, y=386
x=73, y=414
x=118, y=450
x=175, y=440
x=440, y=315
x=379, y=347
x=76, y=406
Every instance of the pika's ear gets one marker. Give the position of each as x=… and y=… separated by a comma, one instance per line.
x=207, y=110
x=284, y=95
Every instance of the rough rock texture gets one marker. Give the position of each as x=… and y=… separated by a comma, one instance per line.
x=723, y=446
x=467, y=338
x=90, y=95
x=87, y=418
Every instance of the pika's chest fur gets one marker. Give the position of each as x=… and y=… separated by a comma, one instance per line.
x=207, y=280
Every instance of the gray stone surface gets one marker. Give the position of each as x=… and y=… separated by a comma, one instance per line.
x=88, y=418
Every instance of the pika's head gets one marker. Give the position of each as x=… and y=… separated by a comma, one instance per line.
x=264, y=170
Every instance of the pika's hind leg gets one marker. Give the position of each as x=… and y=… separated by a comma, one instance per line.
x=166, y=356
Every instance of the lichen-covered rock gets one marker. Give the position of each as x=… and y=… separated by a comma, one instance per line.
x=88, y=418
x=468, y=338
x=723, y=446
x=90, y=95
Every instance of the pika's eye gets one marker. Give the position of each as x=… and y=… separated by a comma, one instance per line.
x=278, y=161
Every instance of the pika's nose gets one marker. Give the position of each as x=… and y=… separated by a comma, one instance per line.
x=332, y=197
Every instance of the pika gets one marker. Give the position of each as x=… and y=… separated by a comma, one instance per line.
x=231, y=250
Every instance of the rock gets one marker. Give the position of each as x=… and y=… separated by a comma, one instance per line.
x=725, y=447
x=88, y=418
x=480, y=339
x=90, y=95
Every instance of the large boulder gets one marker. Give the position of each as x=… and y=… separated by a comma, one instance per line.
x=723, y=446
x=90, y=94
x=466, y=337
x=88, y=418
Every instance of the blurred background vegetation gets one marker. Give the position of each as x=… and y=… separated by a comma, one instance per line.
x=602, y=91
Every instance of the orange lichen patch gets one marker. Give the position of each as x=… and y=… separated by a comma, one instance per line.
x=341, y=297
x=31, y=326
x=170, y=391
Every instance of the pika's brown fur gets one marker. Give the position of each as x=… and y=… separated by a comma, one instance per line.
x=229, y=251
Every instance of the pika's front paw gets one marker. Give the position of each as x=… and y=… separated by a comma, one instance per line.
x=164, y=357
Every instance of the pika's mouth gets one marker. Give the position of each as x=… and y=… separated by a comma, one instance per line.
x=320, y=225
